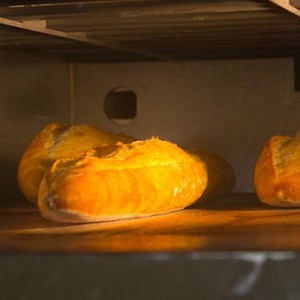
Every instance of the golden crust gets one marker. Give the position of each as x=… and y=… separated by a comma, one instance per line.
x=138, y=179
x=277, y=172
x=54, y=142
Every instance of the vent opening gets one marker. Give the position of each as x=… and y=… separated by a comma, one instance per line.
x=120, y=105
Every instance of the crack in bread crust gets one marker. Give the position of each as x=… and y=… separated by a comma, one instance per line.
x=278, y=150
x=286, y=156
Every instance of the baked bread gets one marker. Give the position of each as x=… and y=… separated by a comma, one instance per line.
x=54, y=142
x=220, y=175
x=277, y=172
x=138, y=179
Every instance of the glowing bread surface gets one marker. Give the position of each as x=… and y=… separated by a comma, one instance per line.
x=53, y=142
x=138, y=179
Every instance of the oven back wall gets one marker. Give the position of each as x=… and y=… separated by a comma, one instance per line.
x=231, y=107
x=33, y=92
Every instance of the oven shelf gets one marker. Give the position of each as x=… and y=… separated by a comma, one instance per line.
x=237, y=222
x=231, y=248
x=127, y=30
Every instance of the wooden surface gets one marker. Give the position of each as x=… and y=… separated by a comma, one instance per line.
x=234, y=223
x=155, y=30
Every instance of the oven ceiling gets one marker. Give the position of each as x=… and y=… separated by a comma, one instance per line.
x=149, y=30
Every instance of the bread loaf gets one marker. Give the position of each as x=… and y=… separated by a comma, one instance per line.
x=138, y=179
x=54, y=142
x=220, y=175
x=277, y=172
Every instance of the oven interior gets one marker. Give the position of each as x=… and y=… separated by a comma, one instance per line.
x=218, y=76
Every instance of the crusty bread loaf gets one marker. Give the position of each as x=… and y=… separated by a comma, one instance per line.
x=138, y=179
x=53, y=142
x=277, y=172
x=220, y=175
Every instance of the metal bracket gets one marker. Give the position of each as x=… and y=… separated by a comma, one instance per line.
x=292, y=6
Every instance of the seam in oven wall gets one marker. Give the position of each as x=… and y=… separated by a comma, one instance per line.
x=70, y=99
